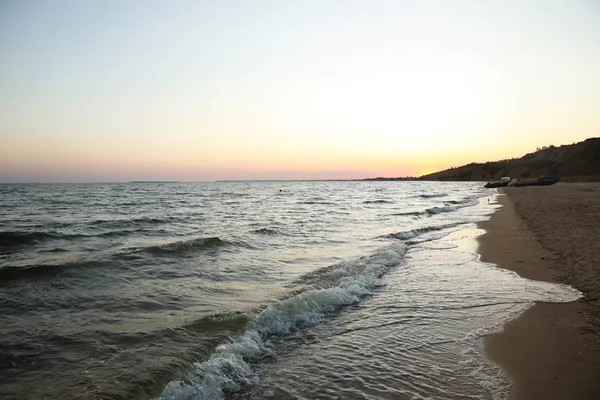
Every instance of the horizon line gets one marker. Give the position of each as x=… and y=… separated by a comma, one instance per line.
x=408, y=178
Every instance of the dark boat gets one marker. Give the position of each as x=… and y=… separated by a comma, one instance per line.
x=501, y=183
x=496, y=184
x=541, y=181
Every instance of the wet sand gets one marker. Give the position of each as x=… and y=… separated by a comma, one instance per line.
x=552, y=351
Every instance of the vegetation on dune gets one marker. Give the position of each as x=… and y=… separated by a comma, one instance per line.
x=574, y=162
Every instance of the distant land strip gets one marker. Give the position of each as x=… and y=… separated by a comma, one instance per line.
x=155, y=182
x=577, y=162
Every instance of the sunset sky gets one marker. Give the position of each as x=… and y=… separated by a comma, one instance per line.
x=206, y=90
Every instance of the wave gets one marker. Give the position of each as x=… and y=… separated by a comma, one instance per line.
x=429, y=211
x=316, y=202
x=128, y=232
x=450, y=205
x=433, y=195
x=225, y=194
x=378, y=202
x=266, y=231
x=9, y=273
x=464, y=201
x=117, y=233
x=406, y=235
x=140, y=220
x=130, y=203
x=187, y=246
x=414, y=213
x=55, y=250
x=229, y=369
x=438, y=210
x=217, y=322
x=12, y=239
x=53, y=201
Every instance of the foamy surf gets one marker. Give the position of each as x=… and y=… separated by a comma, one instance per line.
x=229, y=368
x=417, y=337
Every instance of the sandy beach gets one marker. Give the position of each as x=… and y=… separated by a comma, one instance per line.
x=552, y=233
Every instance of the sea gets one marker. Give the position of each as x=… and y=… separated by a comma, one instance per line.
x=252, y=290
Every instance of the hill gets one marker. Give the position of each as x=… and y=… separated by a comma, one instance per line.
x=573, y=162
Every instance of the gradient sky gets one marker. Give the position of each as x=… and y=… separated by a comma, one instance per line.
x=281, y=89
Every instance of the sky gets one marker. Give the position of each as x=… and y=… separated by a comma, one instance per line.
x=210, y=90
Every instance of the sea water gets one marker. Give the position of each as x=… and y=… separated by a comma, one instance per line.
x=252, y=290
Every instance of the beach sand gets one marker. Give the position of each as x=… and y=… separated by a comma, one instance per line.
x=552, y=233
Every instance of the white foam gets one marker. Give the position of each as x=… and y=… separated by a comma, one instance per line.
x=229, y=370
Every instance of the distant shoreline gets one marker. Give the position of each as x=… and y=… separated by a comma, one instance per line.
x=320, y=180
x=378, y=179
x=216, y=181
x=155, y=182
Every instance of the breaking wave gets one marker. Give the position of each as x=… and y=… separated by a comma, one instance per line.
x=229, y=369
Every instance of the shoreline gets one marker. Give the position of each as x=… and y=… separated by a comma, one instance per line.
x=551, y=351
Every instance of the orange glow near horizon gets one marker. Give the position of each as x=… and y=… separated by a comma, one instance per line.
x=99, y=161
x=269, y=91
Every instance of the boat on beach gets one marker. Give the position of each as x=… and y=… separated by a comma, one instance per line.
x=506, y=181
x=541, y=181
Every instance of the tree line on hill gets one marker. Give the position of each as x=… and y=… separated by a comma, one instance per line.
x=574, y=162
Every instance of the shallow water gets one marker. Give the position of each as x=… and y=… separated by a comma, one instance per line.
x=278, y=290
